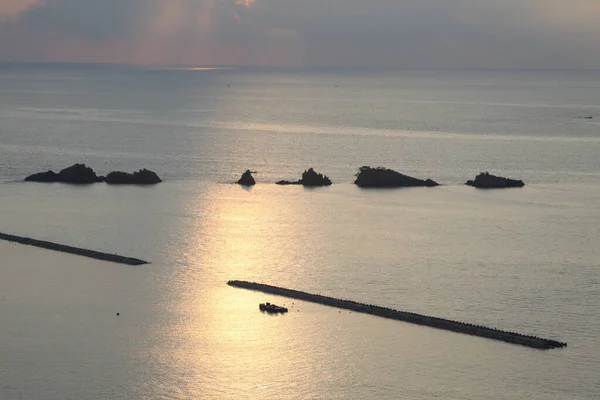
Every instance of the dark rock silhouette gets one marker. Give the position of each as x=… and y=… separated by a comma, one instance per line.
x=247, y=179
x=48, y=176
x=312, y=178
x=77, y=173
x=82, y=174
x=487, y=181
x=309, y=178
x=141, y=177
x=287, y=183
x=380, y=177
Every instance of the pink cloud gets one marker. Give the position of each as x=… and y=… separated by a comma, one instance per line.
x=245, y=3
x=12, y=8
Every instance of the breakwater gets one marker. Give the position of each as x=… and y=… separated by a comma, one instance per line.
x=73, y=250
x=434, y=322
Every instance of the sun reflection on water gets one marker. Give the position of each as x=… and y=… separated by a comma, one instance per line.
x=221, y=340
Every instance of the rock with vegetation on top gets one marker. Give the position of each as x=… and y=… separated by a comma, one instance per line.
x=380, y=177
x=312, y=178
x=247, y=179
x=141, y=177
x=487, y=181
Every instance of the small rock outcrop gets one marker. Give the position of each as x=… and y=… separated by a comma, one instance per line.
x=309, y=178
x=247, y=179
x=141, y=177
x=77, y=174
x=312, y=178
x=380, y=177
x=485, y=180
x=284, y=182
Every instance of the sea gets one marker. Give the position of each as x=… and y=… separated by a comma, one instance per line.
x=524, y=260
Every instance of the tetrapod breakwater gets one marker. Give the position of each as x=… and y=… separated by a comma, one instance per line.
x=419, y=319
x=73, y=250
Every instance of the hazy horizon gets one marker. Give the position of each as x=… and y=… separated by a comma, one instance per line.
x=207, y=67
x=451, y=34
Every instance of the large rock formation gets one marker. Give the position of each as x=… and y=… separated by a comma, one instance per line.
x=77, y=173
x=386, y=178
x=247, y=179
x=309, y=178
x=487, y=181
x=82, y=174
x=141, y=177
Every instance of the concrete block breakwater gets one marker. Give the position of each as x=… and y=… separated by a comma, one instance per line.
x=73, y=250
x=434, y=322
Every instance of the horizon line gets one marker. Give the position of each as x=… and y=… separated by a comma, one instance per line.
x=212, y=67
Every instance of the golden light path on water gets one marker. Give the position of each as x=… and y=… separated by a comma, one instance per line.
x=225, y=343
x=225, y=348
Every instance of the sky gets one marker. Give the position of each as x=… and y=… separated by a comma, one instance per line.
x=381, y=33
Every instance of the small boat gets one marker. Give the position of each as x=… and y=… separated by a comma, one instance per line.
x=272, y=308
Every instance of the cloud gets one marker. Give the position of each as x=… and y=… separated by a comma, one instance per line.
x=12, y=8
x=397, y=33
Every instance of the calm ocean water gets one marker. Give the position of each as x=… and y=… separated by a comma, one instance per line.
x=525, y=260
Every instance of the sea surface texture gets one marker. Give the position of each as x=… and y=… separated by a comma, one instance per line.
x=524, y=260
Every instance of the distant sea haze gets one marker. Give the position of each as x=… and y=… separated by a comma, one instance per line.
x=522, y=260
